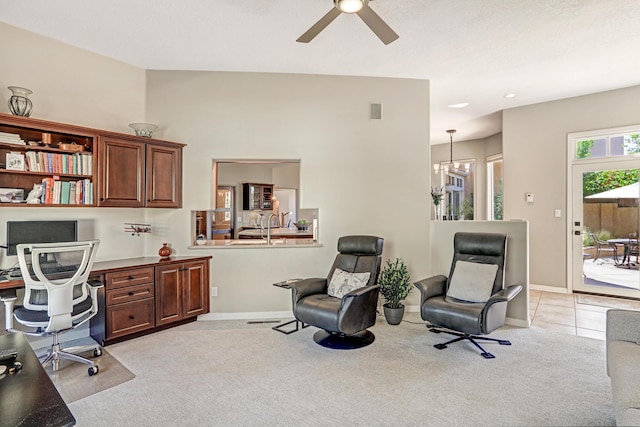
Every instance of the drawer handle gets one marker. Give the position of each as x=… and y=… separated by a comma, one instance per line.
x=131, y=316
x=132, y=277
x=131, y=293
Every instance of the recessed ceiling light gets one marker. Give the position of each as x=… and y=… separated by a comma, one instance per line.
x=461, y=105
x=510, y=95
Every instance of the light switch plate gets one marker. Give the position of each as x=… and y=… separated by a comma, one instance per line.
x=557, y=213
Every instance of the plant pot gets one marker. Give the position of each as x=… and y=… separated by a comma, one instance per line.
x=393, y=315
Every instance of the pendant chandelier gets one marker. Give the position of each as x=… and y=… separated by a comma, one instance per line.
x=452, y=166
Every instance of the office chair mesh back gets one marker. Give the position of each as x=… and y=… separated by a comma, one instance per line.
x=63, y=295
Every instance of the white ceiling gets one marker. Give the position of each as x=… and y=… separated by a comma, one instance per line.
x=472, y=51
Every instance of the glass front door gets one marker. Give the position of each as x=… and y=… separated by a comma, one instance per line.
x=605, y=228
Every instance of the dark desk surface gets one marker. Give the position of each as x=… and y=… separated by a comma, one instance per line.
x=119, y=264
x=28, y=397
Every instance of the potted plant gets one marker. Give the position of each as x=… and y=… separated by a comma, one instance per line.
x=395, y=285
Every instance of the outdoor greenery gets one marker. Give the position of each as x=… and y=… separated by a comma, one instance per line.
x=465, y=210
x=597, y=182
x=395, y=283
x=497, y=202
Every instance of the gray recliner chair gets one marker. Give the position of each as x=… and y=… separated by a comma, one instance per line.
x=471, y=301
x=343, y=305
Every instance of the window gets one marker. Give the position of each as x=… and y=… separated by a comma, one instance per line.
x=495, y=177
x=458, y=183
x=611, y=145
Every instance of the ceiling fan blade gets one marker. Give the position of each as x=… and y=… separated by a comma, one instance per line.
x=319, y=26
x=377, y=25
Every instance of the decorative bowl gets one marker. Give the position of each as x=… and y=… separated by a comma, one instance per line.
x=143, y=129
x=301, y=227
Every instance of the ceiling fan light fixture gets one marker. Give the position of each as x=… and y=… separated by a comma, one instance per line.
x=349, y=6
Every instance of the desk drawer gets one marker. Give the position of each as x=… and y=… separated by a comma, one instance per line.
x=124, y=319
x=135, y=276
x=130, y=293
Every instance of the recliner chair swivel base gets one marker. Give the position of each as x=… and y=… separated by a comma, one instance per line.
x=337, y=341
x=468, y=337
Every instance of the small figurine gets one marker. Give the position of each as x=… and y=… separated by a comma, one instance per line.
x=34, y=195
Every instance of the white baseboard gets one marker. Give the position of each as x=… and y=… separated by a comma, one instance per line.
x=247, y=315
x=412, y=308
x=517, y=322
x=545, y=288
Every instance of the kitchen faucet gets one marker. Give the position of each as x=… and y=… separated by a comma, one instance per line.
x=282, y=224
x=261, y=225
x=269, y=227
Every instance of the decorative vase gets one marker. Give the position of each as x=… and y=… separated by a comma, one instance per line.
x=165, y=251
x=393, y=315
x=435, y=211
x=19, y=103
x=201, y=239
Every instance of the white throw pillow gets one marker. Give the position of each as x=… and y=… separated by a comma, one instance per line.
x=472, y=281
x=343, y=282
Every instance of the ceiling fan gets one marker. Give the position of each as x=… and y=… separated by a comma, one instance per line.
x=359, y=7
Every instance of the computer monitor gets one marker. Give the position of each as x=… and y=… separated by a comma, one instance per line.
x=39, y=232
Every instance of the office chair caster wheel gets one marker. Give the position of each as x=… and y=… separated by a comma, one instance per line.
x=93, y=370
x=97, y=352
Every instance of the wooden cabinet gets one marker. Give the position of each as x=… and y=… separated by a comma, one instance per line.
x=129, y=305
x=163, y=176
x=121, y=173
x=140, y=174
x=182, y=291
x=257, y=196
x=105, y=168
x=144, y=295
x=61, y=156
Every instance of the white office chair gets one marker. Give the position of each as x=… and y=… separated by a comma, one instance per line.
x=58, y=297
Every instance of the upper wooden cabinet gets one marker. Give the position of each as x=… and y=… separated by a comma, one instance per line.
x=140, y=174
x=104, y=168
x=163, y=176
x=121, y=173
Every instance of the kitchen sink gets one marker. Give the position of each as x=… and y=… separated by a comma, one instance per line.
x=254, y=242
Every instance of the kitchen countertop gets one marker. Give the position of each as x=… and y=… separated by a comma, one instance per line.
x=276, y=232
x=257, y=244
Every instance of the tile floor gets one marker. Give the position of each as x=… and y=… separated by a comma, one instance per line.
x=577, y=314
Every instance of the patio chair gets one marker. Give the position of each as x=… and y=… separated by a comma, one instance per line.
x=603, y=246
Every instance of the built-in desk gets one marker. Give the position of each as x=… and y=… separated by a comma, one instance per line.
x=28, y=397
x=144, y=295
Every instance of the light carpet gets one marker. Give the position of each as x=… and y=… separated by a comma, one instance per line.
x=228, y=374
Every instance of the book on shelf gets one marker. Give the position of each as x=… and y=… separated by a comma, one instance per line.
x=57, y=186
x=72, y=192
x=65, y=192
x=11, y=138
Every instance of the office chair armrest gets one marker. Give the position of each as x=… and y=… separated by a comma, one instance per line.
x=505, y=295
x=431, y=286
x=94, y=285
x=306, y=287
x=8, y=313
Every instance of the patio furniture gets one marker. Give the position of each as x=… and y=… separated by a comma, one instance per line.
x=604, y=247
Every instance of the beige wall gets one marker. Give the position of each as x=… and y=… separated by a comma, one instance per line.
x=534, y=142
x=365, y=176
x=74, y=86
